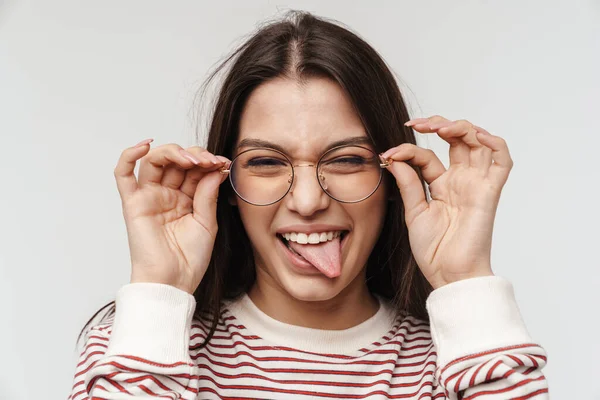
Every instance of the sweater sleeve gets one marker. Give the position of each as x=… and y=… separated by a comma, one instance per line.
x=142, y=350
x=484, y=350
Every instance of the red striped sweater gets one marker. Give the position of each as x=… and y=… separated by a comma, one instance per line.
x=475, y=346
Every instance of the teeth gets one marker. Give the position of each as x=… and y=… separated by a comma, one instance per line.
x=302, y=238
x=312, y=238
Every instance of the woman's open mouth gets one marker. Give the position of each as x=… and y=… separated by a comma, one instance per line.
x=320, y=250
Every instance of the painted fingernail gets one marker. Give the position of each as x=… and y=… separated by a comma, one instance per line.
x=144, y=142
x=409, y=123
x=189, y=156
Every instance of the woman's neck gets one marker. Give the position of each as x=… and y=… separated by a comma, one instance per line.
x=352, y=306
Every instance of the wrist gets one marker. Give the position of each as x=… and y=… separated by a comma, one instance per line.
x=453, y=278
x=178, y=284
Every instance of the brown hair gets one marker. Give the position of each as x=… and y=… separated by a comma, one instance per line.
x=299, y=46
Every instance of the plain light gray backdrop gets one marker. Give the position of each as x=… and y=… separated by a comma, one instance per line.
x=80, y=81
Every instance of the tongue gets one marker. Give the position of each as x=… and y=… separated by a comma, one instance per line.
x=324, y=256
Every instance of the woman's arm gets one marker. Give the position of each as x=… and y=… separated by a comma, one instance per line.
x=141, y=351
x=484, y=349
x=170, y=215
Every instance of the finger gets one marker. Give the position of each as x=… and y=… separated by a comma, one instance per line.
x=202, y=153
x=174, y=175
x=205, y=198
x=415, y=121
x=192, y=177
x=431, y=166
x=482, y=157
x=428, y=120
x=124, y=171
x=426, y=127
x=434, y=127
x=152, y=165
x=459, y=150
x=411, y=189
x=460, y=130
x=503, y=162
x=479, y=156
x=431, y=122
x=224, y=159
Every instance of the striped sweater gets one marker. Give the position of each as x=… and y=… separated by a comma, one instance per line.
x=474, y=346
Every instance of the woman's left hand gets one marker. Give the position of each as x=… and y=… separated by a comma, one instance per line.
x=451, y=236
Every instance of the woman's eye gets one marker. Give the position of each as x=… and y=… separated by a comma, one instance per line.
x=356, y=160
x=265, y=162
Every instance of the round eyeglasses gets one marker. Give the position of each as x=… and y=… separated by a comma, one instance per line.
x=264, y=176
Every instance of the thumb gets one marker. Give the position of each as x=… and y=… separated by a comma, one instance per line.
x=205, y=198
x=408, y=182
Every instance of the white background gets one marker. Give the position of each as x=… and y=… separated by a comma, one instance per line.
x=81, y=80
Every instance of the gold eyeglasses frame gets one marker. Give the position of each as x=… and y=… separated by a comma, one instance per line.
x=383, y=163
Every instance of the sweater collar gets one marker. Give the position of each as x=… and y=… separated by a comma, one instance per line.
x=346, y=341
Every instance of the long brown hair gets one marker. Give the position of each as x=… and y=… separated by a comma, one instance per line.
x=298, y=46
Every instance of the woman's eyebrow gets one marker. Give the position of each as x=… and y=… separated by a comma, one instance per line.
x=259, y=143
x=355, y=140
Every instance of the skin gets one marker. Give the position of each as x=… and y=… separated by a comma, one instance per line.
x=304, y=120
x=170, y=208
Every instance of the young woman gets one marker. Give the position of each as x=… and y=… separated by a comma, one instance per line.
x=298, y=256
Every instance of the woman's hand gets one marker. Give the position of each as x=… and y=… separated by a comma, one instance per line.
x=451, y=236
x=170, y=211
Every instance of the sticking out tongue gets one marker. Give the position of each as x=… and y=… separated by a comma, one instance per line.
x=324, y=256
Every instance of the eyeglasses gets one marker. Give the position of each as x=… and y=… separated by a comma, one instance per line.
x=264, y=176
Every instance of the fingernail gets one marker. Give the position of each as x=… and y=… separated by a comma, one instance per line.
x=144, y=142
x=189, y=156
x=408, y=123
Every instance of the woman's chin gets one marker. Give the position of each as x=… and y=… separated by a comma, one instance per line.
x=311, y=289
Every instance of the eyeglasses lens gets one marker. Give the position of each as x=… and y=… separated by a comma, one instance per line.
x=350, y=173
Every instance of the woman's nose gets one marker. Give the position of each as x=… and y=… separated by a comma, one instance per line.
x=306, y=196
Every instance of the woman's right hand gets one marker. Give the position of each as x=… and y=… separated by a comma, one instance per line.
x=170, y=211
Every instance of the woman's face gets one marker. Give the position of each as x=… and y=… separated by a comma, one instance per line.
x=305, y=120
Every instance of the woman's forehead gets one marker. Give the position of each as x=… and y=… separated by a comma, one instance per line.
x=300, y=118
